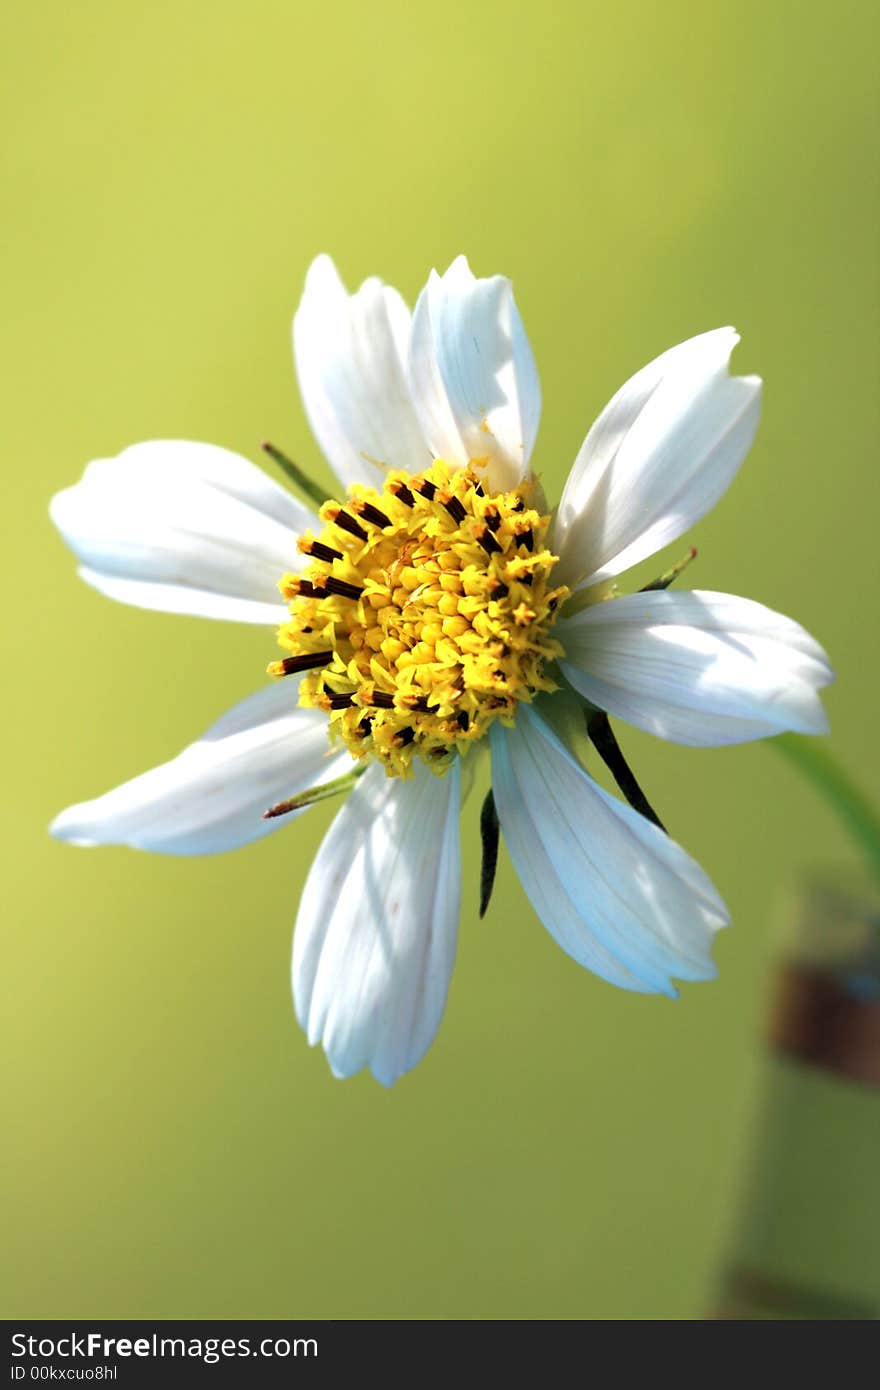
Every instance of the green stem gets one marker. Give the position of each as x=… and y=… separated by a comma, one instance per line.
x=813, y=759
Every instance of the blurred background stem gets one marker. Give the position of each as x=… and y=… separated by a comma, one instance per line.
x=813, y=758
x=814, y=1142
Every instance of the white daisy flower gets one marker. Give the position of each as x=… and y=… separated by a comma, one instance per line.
x=434, y=610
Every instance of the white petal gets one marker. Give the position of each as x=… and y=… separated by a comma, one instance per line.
x=698, y=668
x=615, y=892
x=212, y=796
x=350, y=352
x=473, y=376
x=376, y=931
x=660, y=455
x=184, y=528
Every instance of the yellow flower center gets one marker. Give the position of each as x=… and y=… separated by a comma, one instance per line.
x=424, y=615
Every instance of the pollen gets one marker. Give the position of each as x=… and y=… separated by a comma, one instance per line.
x=424, y=615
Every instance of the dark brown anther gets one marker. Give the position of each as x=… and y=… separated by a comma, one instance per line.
x=454, y=507
x=379, y=698
x=478, y=489
x=371, y=513
x=365, y=726
x=320, y=551
x=402, y=493
x=526, y=538
x=405, y=736
x=305, y=589
x=419, y=703
x=483, y=536
x=527, y=579
x=498, y=590
x=492, y=517
x=425, y=488
x=519, y=505
x=463, y=720
x=341, y=587
x=306, y=662
x=348, y=523
x=341, y=700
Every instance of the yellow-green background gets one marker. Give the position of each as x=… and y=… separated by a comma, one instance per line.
x=643, y=171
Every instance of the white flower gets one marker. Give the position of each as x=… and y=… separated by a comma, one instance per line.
x=440, y=603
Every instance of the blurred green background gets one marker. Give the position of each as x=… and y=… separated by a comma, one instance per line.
x=643, y=171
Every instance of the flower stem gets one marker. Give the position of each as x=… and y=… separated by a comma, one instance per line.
x=814, y=760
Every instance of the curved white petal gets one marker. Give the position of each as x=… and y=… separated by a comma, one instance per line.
x=615, y=892
x=212, y=796
x=473, y=376
x=350, y=352
x=376, y=931
x=660, y=455
x=699, y=668
x=184, y=528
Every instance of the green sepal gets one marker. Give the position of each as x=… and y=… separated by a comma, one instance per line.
x=490, y=834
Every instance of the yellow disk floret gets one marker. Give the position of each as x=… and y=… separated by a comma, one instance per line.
x=424, y=615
